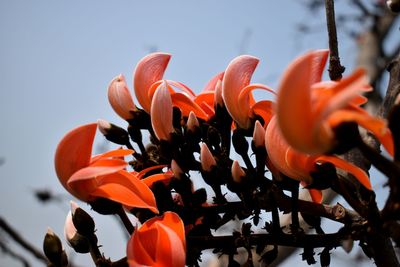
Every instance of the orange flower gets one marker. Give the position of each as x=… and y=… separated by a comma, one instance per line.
x=236, y=92
x=309, y=110
x=120, y=98
x=298, y=165
x=148, y=77
x=103, y=175
x=159, y=242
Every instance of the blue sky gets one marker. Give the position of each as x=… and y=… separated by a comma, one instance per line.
x=57, y=58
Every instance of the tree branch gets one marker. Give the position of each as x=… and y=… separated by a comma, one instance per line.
x=335, y=68
x=21, y=241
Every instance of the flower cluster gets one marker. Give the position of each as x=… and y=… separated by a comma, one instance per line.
x=298, y=136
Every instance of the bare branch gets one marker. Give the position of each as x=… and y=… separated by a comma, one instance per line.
x=21, y=241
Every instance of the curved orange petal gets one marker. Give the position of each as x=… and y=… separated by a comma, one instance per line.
x=265, y=109
x=316, y=195
x=357, y=172
x=377, y=126
x=137, y=254
x=174, y=222
x=182, y=87
x=301, y=164
x=161, y=113
x=210, y=86
x=126, y=189
x=98, y=168
x=205, y=97
x=170, y=250
x=186, y=104
x=354, y=85
x=237, y=76
x=143, y=172
x=150, y=69
x=294, y=108
x=120, y=98
x=116, y=153
x=276, y=148
x=160, y=177
x=74, y=152
x=160, y=241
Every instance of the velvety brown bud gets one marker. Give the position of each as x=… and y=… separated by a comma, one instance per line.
x=83, y=222
x=53, y=250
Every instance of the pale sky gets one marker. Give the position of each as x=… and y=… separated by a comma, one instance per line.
x=57, y=58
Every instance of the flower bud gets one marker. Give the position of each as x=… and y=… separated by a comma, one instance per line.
x=258, y=135
x=192, y=122
x=393, y=5
x=120, y=98
x=206, y=158
x=113, y=133
x=161, y=113
x=82, y=221
x=75, y=240
x=53, y=250
x=237, y=172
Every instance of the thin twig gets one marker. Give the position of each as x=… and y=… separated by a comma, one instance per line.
x=21, y=241
x=335, y=68
x=13, y=254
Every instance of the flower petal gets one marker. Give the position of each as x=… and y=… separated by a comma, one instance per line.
x=150, y=69
x=120, y=98
x=265, y=109
x=210, y=86
x=74, y=152
x=377, y=126
x=98, y=168
x=316, y=195
x=160, y=241
x=160, y=177
x=294, y=109
x=357, y=172
x=116, y=153
x=186, y=105
x=126, y=189
x=276, y=148
x=205, y=97
x=237, y=76
x=143, y=172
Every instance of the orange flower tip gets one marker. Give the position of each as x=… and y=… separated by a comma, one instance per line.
x=161, y=112
x=259, y=135
x=206, y=158
x=192, y=122
x=218, y=94
x=176, y=169
x=237, y=172
x=103, y=126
